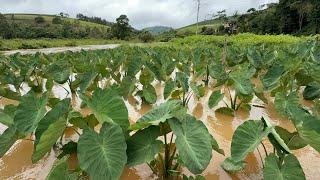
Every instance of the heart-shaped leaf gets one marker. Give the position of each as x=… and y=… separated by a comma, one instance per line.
x=215, y=98
x=107, y=106
x=29, y=112
x=143, y=146
x=289, y=169
x=103, y=155
x=50, y=128
x=193, y=143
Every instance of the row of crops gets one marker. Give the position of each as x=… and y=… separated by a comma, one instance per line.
x=167, y=138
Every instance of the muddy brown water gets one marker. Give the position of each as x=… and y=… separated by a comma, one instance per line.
x=16, y=164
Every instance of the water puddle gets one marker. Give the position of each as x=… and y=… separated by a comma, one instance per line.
x=16, y=164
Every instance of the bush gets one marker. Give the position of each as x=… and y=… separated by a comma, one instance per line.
x=39, y=20
x=146, y=37
x=56, y=20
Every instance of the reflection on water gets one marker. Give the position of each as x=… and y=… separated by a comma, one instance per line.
x=16, y=164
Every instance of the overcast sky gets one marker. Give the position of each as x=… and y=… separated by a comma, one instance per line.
x=142, y=13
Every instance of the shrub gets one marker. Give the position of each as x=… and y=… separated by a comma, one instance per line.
x=56, y=20
x=146, y=37
x=39, y=19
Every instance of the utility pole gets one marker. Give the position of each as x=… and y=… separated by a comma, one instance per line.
x=198, y=10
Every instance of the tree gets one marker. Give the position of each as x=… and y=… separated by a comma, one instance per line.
x=39, y=19
x=5, y=28
x=121, y=29
x=146, y=36
x=56, y=20
x=304, y=8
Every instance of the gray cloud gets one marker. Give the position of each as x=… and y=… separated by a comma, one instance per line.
x=142, y=13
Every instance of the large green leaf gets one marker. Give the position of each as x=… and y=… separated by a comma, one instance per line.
x=183, y=80
x=309, y=130
x=246, y=138
x=193, y=142
x=60, y=171
x=7, y=115
x=50, y=128
x=29, y=112
x=312, y=91
x=160, y=113
x=107, y=106
x=271, y=80
x=58, y=73
x=293, y=140
x=168, y=88
x=275, y=138
x=242, y=80
x=199, y=90
x=7, y=139
x=287, y=105
x=149, y=93
x=289, y=169
x=103, y=156
x=215, y=98
x=143, y=146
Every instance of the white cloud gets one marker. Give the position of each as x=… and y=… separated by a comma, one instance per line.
x=142, y=13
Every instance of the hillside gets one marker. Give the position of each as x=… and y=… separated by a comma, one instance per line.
x=30, y=19
x=35, y=26
x=155, y=30
x=213, y=23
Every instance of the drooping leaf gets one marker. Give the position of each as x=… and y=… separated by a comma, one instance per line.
x=7, y=139
x=312, y=91
x=271, y=80
x=50, y=128
x=107, y=106
x=275, y=138
x=225, y=111
x=60, y=171
x=293, y=140
x=168, y=88
x=193, y=142
x=149, y=93
x=215, y=146
x=183, y=80
x=215, y=98
x=29, y=112
x=107, y=156
x=143, y=146
x=246, y=138
x=289, y=169
x=233, y=166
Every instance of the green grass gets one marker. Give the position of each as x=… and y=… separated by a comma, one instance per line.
x=241, y=39
x=29, y=19
x=14, y=44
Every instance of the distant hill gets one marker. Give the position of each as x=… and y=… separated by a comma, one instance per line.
x=155, y=30
x=30, y=19
x=33, y=26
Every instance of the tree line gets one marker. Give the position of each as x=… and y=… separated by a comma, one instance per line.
x=286, y=17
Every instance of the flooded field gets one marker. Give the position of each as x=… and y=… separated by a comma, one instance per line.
x=16, y=164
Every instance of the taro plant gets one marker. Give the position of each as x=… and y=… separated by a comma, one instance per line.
x=278, y=164
x=167, y=138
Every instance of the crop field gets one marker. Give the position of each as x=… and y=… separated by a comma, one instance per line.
x=203, y=107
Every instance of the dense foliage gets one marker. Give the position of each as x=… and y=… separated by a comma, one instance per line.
x=167, y=137
x=287, y=17
x=38, y=27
